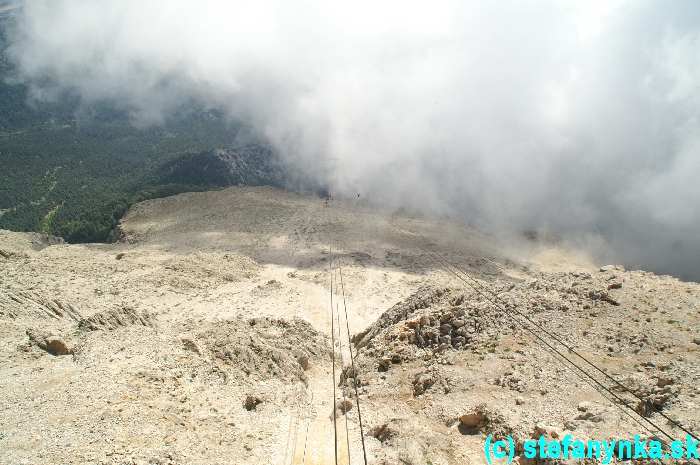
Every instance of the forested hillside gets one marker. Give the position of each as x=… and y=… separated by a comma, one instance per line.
x=72, y=170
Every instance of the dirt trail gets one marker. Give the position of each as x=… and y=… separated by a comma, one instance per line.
x=317, y=418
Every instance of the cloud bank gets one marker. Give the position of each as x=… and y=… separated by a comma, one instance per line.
x=577, y=118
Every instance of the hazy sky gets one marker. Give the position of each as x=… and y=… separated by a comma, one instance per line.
x=580, y=118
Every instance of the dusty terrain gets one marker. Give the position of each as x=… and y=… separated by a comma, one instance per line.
x=204, y=337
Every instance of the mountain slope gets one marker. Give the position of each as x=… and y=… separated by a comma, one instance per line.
x=204, y=337
x=72, y=170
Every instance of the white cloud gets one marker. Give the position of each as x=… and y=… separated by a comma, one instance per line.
x=579, y=117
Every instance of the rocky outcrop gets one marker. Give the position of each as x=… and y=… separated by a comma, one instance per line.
x=51, y=343
x=251, y=165
x=29, y=304
x=262, y=348
x=421, y=299
x=251, y=402
x=116, y=318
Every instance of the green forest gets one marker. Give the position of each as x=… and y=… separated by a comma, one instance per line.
x=72, y=171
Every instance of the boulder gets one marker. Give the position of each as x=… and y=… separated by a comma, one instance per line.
x=422, y=382
x=473, y=419
x=51, y=343
x=387, y=431
x=584, y=406
x=383, y=364
x=251, y=402
x=190, y=345
x=57, y=346
x=343, y=406
x=602, y=295
x=542, y=429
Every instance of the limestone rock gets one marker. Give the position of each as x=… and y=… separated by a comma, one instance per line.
x=387, y=431
x=51, y=343
x=473, y=419
x=57, y=346
x=584, y=406
x=251, y=402
x=545, y=430
x=116, y=318
x=343, y=406
x=191, y=345
x=605, y=268
x=604, y=296
x=303, y=359
x=422, y=382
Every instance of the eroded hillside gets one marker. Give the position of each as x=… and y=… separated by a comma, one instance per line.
x=204, y=337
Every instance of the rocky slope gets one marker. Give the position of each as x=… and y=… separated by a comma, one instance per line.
x=204, y=337
x=247, y=165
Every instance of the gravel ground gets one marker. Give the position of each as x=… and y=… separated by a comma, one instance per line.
x=204, y=337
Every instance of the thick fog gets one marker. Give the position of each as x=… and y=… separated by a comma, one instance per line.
x=581, y=119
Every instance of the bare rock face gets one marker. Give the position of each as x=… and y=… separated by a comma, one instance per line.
x=421, y=299
x=252, y=164
x=53, y=344
x=429, y=320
